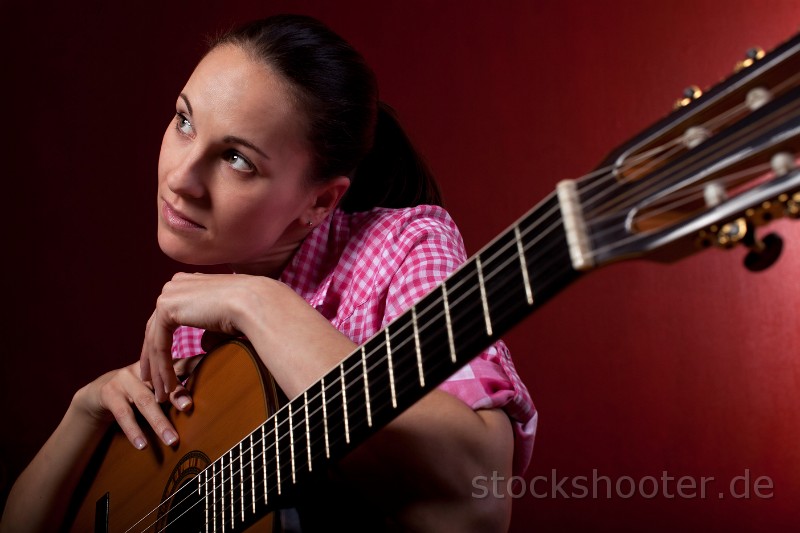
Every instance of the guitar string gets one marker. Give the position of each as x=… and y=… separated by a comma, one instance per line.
x=620, y=242
x=355, y=366
x=667, y=150
x=740, y=109
x=712, y=124
x=695, y=162
x=690, y=195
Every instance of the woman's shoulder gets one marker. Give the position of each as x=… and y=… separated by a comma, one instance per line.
x=381, y=241
x=389, y=225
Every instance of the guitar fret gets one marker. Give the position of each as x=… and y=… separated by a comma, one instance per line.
x=277, y=454
x=214, y=489
x=325, y=419
x=344, y=406
x=232, y=489
x=417, y=346
x=484, y=302
x=241, y=478
x=264, y=460
x=252, y=474
x=291, y=443
x=205, y=475
x=366, y=384
x=391, y=368
x=524, y=265
x=449, y=323
x=308, y=430
x=222, y=492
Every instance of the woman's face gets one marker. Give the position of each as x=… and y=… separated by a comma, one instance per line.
x=232, y=185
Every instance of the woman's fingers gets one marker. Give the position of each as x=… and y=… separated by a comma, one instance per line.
x=181, y=398
x=151, y=410
x=155, y=360
x=199, y=300
x=122, y=393
x=165, y=380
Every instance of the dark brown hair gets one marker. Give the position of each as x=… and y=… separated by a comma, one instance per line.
x=351, y=133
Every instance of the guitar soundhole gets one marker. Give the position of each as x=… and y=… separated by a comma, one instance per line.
x=182, y=508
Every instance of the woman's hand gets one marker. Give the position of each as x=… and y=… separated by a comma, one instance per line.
x=115, y=394
x=208, y=301
x=37, y=501
x=296, y=343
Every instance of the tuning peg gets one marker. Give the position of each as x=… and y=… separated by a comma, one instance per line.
x=751, y=56
x=732, y=233
x=763, y=253
x=690, y=94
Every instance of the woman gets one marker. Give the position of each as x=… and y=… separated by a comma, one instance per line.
x=281, y=163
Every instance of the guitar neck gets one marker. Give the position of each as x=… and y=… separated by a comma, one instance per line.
x=490, y=293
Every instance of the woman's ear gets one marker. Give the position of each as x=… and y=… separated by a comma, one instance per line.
x=326, y=197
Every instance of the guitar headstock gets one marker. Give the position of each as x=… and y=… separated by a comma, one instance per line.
x=708, y=174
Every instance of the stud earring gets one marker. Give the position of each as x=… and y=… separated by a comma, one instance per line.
x=309, y=223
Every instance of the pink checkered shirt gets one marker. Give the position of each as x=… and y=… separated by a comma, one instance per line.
x=362, y=270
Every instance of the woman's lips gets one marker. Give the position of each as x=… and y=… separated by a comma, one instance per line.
x=178, y=220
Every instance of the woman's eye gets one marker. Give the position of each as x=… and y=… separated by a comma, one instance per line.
x=238, y=162
x=182, y=124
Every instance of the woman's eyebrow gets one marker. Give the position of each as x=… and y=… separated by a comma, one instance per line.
x=230, y=139
x=188, y=105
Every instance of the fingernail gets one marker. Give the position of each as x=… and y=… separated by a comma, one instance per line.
x=140, y=443
x=184, y=402
x=169, y=436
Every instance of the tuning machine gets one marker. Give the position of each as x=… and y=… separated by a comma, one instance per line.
x=690, y=94
x=751, y=56
x=763, y=252
x=742, y=230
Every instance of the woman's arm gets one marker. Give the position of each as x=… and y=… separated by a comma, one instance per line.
x=39, y=498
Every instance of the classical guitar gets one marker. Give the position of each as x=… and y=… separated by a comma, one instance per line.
x=707, y=175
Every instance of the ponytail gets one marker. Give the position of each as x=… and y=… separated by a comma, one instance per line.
x=392, y=174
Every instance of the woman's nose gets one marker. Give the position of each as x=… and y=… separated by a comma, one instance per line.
x=185, y=178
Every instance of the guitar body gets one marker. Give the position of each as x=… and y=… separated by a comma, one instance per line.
x=232, y=394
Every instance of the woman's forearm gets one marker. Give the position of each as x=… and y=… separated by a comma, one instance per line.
x=38, y=501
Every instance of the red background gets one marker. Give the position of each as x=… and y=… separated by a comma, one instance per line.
x=638, y=369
